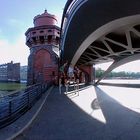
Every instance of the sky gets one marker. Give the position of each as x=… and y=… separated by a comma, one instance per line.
x=133, y=66
x=17, y=16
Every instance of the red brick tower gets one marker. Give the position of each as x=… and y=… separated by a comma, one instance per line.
x=43, y=41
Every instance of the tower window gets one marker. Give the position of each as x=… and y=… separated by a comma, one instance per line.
x=33, y=33
x=34, y=39
x=57, y=40
x=41, y=31
x=41, y=38
x=49, y=38
x=49, y=30
x=53, y=73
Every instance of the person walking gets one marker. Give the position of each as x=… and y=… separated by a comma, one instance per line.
x=77, y=78
x=71, y=73
x=62, y=76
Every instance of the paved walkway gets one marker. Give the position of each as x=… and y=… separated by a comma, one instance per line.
x=11, y=131
x=94, y=114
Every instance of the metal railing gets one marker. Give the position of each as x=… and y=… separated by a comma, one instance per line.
x=12, y=107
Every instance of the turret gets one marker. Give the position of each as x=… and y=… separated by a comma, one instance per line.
x=43, y=41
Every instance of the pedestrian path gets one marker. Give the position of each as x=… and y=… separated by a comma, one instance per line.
x=93, y=114
x=12, y=130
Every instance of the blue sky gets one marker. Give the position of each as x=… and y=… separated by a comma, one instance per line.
x=16, y=17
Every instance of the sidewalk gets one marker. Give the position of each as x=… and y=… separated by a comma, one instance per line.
x=96, y=113
x=14, y=129
x=91, y=115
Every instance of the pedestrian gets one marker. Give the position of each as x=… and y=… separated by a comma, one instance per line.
x=62, y=76
x=77, y=77
x=62, y=68
x=71, y=73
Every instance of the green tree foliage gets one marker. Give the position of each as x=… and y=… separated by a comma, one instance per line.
x=121, y=74
x=99, y=72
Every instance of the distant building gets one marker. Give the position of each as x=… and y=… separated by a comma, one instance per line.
x=43, y=41
x=10, y=72
x=23, y=74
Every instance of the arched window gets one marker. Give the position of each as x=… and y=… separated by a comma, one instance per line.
x=41, y=38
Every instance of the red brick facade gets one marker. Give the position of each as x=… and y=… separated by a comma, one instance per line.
x=43, y=65
x=89, y=73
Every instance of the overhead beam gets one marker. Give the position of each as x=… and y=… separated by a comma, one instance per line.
x=115, y=42
x=108, y=47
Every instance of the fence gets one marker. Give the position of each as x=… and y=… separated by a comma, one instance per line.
x=12, y=107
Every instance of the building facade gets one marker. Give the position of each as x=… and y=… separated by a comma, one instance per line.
x=10, y=72
x=43, y=41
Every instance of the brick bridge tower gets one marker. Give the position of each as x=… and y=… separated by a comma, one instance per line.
x=43, y=41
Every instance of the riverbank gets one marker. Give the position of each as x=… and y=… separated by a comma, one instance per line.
x=121, y=81
x=10, y=88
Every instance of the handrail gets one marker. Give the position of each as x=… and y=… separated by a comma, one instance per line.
x=12, y=108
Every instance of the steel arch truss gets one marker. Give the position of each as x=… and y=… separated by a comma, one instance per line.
x=113, y=46
x=118, y=63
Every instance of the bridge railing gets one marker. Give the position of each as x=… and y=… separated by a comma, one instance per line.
x=12, y=107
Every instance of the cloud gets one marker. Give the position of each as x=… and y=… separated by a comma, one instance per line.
x=17, y=52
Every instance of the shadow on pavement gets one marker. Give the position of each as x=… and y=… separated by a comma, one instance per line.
x=62, y=119
x=121, y=85
x=121, y=122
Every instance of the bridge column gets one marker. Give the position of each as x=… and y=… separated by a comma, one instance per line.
x=89, y=72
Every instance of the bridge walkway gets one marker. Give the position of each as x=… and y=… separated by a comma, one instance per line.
x=93, y=114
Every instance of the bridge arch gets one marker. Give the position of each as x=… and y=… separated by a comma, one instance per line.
x=118, y=63
x=127, y=24
x=100, y=31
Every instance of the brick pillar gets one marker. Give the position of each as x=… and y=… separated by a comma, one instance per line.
x=89, y=71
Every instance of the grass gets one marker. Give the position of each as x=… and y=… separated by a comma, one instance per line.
x=12, y=86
